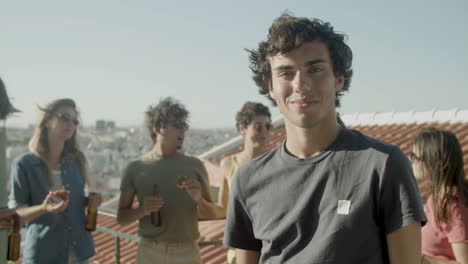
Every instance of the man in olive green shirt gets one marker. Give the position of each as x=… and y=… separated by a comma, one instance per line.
x=174, y=240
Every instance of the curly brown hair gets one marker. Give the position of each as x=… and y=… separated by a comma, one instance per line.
x=248, y=111
x=287, y=33
x=168, y=109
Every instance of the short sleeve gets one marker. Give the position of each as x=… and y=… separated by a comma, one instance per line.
x=127, y=177
x=20, y=190
x=400, y=200
x=203, y=178
x=238, y=231
x=457, y=230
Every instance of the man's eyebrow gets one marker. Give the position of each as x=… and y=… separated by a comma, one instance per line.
x=307, y=64
x=312, y=62
x=282, y=67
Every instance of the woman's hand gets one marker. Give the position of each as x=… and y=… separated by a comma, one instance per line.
x=6, y=218
x=94, y=200
x=51, y=207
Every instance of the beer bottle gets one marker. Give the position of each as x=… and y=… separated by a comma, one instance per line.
x=155, y=216
x=91, y=216
x=14, y=240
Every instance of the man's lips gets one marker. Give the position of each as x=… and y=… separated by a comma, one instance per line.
x=304, y=102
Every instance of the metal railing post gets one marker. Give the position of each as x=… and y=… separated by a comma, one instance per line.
x=117, y=249
x=3, y=189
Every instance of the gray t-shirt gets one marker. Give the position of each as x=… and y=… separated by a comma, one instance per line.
x=179, y=216
x=336, y=207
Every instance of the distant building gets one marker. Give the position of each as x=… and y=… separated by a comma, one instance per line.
x=105, y=125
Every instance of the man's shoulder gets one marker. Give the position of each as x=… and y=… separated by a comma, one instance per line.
x=261, y=162
x=227, y=161
x=139, y=162
x=189, y=159
x=356, y=140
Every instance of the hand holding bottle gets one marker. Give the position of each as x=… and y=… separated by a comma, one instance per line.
x=151, y=204
x=6, y=218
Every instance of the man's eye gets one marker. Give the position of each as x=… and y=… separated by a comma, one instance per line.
x=316, y=69
x=285, y=74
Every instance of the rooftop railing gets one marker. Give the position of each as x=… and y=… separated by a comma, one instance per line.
x=120, y=235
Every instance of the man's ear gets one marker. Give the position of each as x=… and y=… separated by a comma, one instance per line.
x=242, y=129
x=339, y=83
x=156, y=130
x=270, y=90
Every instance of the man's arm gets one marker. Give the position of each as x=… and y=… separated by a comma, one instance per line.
x=126, y=214
x=460, y=250
x=404, y=245
x=207, y=208
x=223, y=195
x=431, y=260
x=247, y=256
x=211, y=210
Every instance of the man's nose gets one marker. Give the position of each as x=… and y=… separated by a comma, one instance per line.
x=301, y=84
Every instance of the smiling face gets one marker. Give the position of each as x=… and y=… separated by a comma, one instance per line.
x=304, y=84
x=63, y=123
x=257, y=132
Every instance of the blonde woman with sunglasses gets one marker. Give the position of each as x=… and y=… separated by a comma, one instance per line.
x=48, y=189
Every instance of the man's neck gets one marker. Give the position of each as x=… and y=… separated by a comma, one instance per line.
x=162, y=150
x=250, y=152
x=308, y=142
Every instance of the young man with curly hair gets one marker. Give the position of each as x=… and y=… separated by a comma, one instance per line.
x=327, y=194
x=182, y=182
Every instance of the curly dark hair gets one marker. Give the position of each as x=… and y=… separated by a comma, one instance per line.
x=248, y=111
x=287, y=33
x=166, y=110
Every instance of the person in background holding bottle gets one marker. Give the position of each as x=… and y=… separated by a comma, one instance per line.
x=182, y=185
x=48, y=190
x=7, y=216
x=437, y=157
x=6, y=220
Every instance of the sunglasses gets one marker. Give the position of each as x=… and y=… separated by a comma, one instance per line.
x=67, y=119
x=413, y=157
x=179, y=124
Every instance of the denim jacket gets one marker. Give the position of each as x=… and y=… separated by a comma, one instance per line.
x=50, y=237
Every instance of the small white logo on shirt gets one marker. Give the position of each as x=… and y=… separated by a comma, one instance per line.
x=343, y=207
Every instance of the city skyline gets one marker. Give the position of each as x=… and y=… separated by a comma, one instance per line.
x=117, y=57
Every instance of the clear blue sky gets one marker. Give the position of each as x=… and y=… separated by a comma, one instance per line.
x=116, y=57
